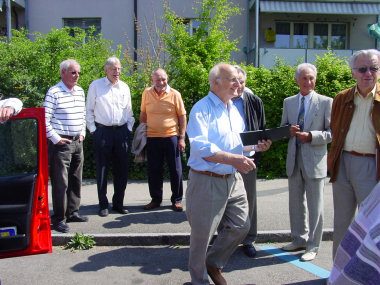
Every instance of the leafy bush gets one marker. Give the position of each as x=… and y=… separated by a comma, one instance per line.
x=30, y=67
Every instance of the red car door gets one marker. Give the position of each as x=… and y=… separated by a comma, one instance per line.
x=24, y=207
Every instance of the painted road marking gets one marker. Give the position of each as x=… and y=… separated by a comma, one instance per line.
x=307, y=266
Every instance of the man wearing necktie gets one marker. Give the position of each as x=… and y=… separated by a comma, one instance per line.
x=308, y=113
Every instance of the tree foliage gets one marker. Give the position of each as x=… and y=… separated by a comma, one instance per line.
x=30, y=67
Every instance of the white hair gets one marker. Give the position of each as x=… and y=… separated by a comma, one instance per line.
x=303, y=66
x=364, y=52
x=65, y=65
x=241, y=70
x=111, y=60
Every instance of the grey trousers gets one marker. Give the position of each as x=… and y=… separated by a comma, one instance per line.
x=355, y=180
x=300, y=185
x=65, y=167
x=249, y=180
x=214, y=203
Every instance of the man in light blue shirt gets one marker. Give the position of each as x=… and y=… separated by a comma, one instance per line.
x=215, y=196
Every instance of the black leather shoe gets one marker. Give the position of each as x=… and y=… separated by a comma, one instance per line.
x=249, y=250
x=120, y=210
x=77, y=219
x=103, y=212
x=61, y=227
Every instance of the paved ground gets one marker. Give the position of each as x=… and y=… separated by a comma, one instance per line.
x=159, y=265
x=151, y=247
x=273, y=216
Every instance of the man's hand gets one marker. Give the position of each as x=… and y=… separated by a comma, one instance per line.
x=81, y=138
x=6, y=113
x=243, y=164
x=63, y=141
x=181, y=144
x=294, y=130
x=263, y=145
x=304, y=137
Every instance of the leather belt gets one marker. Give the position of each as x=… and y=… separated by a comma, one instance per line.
x=209, y=173
x=73, y=138
x=109, y=127
x=360, y=154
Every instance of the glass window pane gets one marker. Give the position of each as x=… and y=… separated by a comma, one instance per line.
x=282, y=35
x=19, y=144
x=300, y=35
x=320, y=39
x=338, y=36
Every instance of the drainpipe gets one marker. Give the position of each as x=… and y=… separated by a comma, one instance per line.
x=248, y=37
x=257, y=33
x=27, y=16
x=8, y=12
x=135, y=32
x=377, y=40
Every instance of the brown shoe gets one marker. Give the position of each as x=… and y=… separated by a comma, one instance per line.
x=177, y=207
x=151, y=205
x=216, y=275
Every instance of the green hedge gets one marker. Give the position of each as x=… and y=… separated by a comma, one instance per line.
x=30, y=67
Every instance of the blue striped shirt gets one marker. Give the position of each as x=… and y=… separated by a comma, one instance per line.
x=64, y=112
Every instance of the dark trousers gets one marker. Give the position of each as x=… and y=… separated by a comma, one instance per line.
x=66, y=167
x=112, y=145
x=159, y=149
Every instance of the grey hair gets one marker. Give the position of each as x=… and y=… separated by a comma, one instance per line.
x=241, y=70
x=64, y=65
x=363, y=52
x=157, y=69
x=214, y=73
x=111, y=60
x=302, y=66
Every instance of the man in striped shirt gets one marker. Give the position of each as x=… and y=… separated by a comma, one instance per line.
x=65, y=128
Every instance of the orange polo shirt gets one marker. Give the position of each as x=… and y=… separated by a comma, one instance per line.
x=162, y=112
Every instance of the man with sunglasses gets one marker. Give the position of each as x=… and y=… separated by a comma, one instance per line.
x=353, y=160
x=65, y=129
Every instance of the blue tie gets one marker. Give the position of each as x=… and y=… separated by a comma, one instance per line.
x=301, y=116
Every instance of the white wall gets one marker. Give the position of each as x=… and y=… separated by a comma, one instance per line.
x=117, y=18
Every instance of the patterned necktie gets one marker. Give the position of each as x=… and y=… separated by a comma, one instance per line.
x=301, y=114
x=301, y=117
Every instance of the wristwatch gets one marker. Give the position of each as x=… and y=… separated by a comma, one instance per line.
x=182, y=136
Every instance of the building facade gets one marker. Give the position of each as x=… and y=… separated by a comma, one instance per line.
x=293, y=30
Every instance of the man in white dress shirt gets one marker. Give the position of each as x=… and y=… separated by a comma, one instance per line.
x=8, y=108
x=110, y=119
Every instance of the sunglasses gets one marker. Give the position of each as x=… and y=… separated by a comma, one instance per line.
x=372, y=69
x=75, y=72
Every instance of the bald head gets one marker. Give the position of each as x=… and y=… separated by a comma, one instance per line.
x=224, y=83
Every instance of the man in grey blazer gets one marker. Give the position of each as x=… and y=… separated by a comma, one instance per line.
x=308, y=114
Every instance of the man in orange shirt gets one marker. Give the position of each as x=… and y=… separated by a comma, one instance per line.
x=163, y=111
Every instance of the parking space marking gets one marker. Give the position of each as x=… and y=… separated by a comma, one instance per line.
x=307, y=266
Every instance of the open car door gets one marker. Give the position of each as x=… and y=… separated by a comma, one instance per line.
x=24, y=207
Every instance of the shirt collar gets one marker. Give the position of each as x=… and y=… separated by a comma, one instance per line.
x=167, y=89
x=63, y=85
x=307, y=97
x=371, y=94
x=107, y=82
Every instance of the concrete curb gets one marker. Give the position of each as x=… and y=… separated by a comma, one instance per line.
x=150, y=239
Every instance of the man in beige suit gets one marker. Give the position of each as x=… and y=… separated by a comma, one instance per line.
x=308, y=113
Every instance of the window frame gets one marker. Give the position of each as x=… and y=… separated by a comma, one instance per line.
x=310, y=40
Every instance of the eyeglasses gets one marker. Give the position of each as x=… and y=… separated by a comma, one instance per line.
x=372, y=69
x=234, y=79
x=75, y=72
